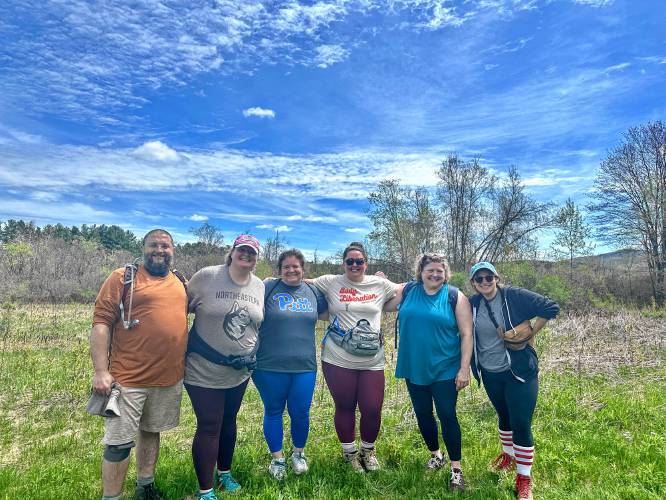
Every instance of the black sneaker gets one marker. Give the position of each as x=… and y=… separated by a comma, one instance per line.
x=147, y=492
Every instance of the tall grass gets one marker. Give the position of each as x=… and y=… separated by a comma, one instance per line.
x=600, y=424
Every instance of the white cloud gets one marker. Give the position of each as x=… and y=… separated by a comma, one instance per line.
x=355, y=230
x=44, y=196
x=259, y=112
x=328, y=55
x=157, y=150
x=280, y=229
x=618, y=67
x=198, y=218
x=594, y=3
x=313, y=218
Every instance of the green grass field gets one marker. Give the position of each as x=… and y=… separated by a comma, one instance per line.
x=600, y=425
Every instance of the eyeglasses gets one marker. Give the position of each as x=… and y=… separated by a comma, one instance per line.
x=245, y=249
x=358, y=262
x=489, y=278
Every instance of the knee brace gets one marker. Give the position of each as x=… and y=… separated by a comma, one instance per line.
x=117, y=452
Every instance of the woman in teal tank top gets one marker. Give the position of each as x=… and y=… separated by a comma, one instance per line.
x=434, y=357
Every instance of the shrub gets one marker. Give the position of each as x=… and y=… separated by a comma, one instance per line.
x=554, y=287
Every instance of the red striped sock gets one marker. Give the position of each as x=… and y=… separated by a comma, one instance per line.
x=524, y=459
x=506, y=438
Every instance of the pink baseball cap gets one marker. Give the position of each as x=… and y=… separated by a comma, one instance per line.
x=247, y=240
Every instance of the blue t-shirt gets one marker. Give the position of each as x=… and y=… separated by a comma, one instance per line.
x=429, y=349
x=287, y=335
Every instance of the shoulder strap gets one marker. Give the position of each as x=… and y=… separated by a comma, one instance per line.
x=313, y=289
x=453, y=297
x=181, y=277
x=266, y=295
x=405, y=291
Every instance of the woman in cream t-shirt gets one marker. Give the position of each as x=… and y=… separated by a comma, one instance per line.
x=355, y=380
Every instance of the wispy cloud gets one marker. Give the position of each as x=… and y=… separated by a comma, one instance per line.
x=280, y=229
x=355, y=230
x=258, y=112
x=198, y=218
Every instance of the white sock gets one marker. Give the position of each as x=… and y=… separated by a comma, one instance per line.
x=367, y=446
x=203, y=492
x=524, y=459
x=506, y=438
x=349, y=447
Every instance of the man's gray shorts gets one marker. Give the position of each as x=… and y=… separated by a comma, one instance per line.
x=152, y=409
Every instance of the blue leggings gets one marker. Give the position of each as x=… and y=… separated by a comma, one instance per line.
x=293, y=389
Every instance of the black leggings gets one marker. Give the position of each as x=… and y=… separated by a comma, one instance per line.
x=445, y=396
x=514, y=402
x=215, y=437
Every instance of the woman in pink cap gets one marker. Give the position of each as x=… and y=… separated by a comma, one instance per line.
x=228, y=302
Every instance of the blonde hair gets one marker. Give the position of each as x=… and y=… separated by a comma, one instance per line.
x=428, y=258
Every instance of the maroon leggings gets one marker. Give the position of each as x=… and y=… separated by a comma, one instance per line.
x=349, y=388
x=215, y=437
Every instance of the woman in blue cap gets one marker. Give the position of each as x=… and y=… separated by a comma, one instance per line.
x=505, y=322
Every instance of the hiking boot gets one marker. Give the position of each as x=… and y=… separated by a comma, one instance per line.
x=354, y=460
x=228, y=483
x=457, y=481
x=147, y=492
x=435, y=463
x=209, y=495
x=298, y=462
x=503, y=462
x=523, y=487
x=278, y=468
x=369, y=459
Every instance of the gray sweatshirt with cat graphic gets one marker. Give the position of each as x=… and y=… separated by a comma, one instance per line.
x=227, y=316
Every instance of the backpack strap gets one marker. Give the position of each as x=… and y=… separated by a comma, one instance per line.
x=409, y=286
x=266, y=295
x=453, y=297
x=129, y=278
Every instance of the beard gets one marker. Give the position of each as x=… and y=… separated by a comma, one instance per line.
x=157, y=268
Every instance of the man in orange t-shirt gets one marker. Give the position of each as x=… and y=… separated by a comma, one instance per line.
x=146, y=361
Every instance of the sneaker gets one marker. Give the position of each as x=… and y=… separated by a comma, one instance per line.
x=369, y=459
x=503, y=462
x=228, y=483
x=209, y=495
x=523, y=487
x=354, y=460
x=457, y=482
x=147, y=492
x=298, y=462
x=278, y=468
x=435, y=463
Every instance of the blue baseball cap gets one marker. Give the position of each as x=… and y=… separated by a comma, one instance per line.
x=482, y=265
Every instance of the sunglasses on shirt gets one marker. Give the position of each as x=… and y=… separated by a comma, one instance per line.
x=489, y=278
x=358, y=262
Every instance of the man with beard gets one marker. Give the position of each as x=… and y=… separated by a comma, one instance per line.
x=146, y=362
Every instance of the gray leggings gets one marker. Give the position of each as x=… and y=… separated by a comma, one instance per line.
x=514, y=402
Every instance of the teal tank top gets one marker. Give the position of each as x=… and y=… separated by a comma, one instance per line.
x=429, y=348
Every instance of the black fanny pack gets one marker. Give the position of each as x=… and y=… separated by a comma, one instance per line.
x=198, y=345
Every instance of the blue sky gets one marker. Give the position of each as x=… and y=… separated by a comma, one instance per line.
x=285, y=115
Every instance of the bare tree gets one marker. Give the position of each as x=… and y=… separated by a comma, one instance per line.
x=463, y=188
x=405, y=224
x=513, y=218
x=273, y=248
x=630, y=194
x=208, y=234
x=571, y=234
